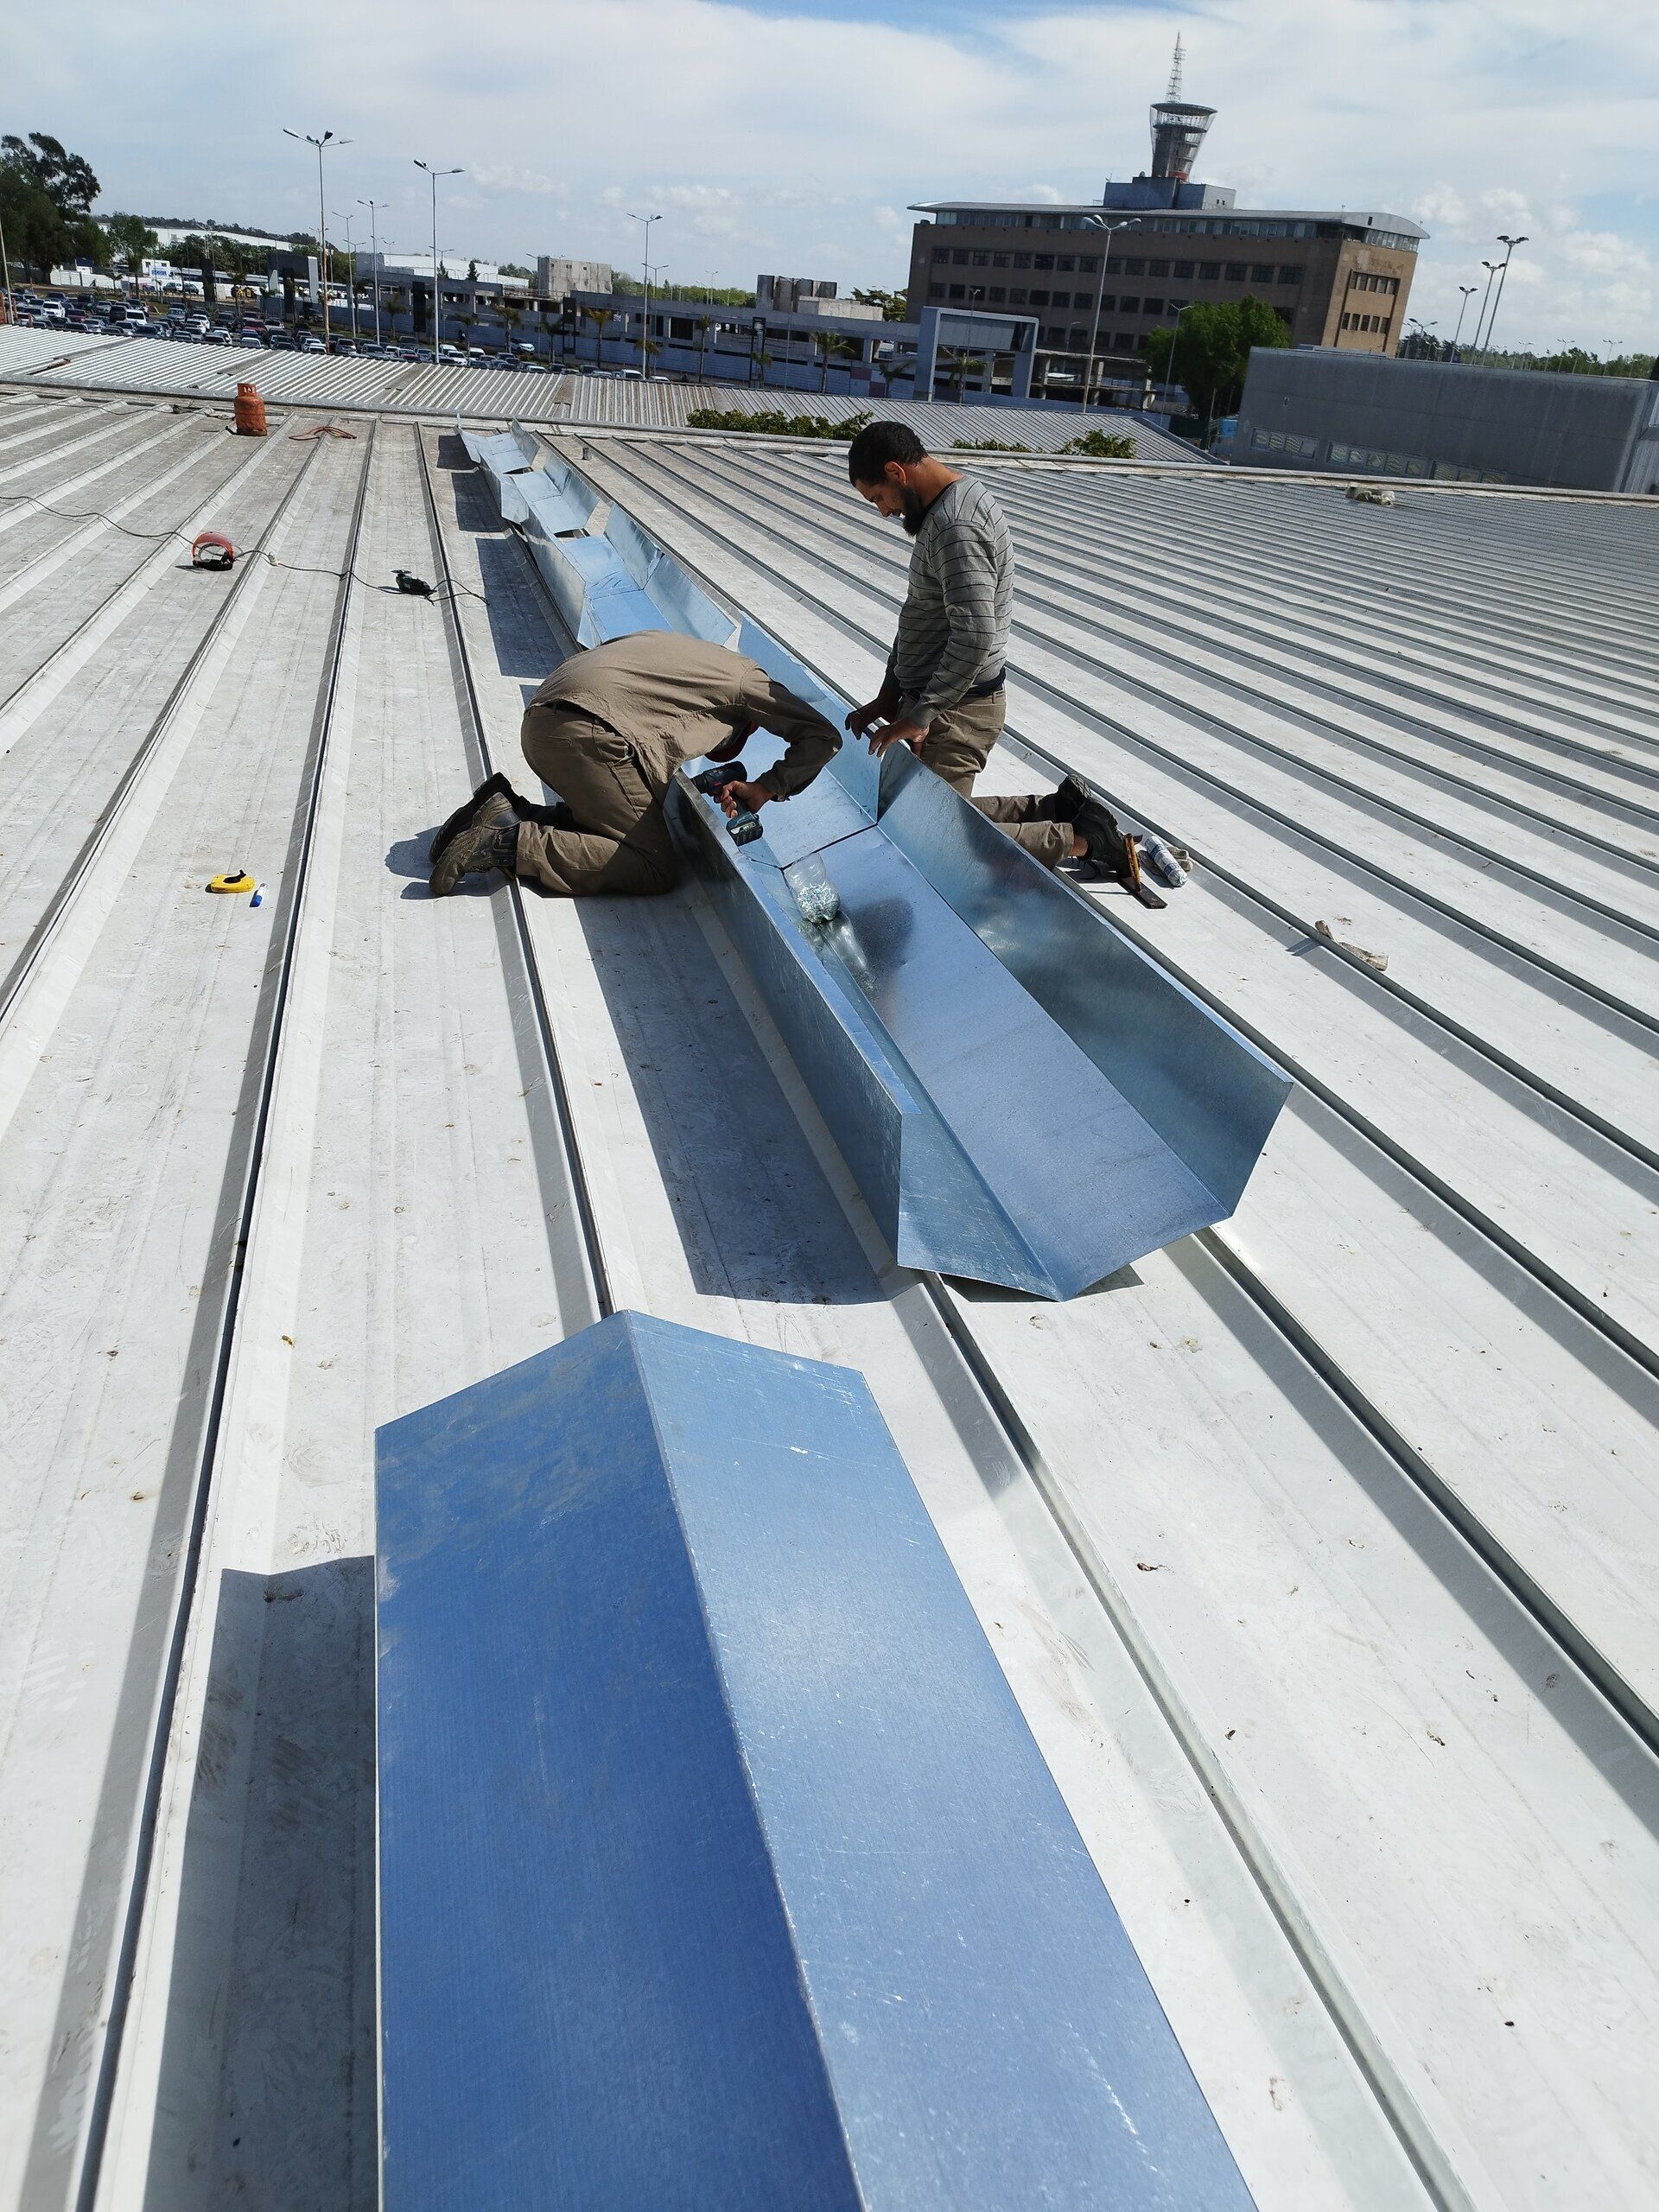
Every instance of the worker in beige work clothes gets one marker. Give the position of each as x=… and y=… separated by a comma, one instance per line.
x=608, y=730
x=944, y=692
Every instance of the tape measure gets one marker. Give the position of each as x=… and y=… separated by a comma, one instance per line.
x=233, y=880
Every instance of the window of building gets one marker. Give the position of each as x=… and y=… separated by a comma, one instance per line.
x=982, y=261
x=998, y=295
x=1184, y=268
x=1236, y=272
x=958, y=291
x=1209, y=271
x=1079, y=340
x=1142, y=342
x=1152, y=306
x=680, y=327
x=1157, y=269
x=1129, y=306
x=1023, y=261
x=1061, y=299
x=1260, y=274
x=935, y=291
x=1088, y=264
x=1347, y=322
x=959, y=256
x=1289, y=275
x=1016, y=295
x=1108, y=304
x=1133, y=268
x=1039, y=296
x=999, y=261
x=1053, y=337
x=1042, y=261
x=1065, y=261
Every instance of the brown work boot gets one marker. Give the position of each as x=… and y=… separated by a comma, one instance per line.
x=489, y=840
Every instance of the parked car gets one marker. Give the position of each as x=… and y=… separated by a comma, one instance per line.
x=252, y=338
x=280, y=341
x=312, y=345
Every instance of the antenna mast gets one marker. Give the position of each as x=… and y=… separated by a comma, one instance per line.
x=1174, y=91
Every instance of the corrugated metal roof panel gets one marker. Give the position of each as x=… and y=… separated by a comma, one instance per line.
x=1319, y=1549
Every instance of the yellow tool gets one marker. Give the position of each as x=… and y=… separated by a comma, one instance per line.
x=234, y=880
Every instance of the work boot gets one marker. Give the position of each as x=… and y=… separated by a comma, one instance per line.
x=1070, y=800
x=1108, y=859
x=495, y=786
x=490, y=840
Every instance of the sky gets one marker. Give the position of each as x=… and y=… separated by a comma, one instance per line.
x=793, y=139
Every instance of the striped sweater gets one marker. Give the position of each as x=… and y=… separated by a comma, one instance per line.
x=953, y=628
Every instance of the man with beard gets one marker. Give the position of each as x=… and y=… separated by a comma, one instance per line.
x=943, y=693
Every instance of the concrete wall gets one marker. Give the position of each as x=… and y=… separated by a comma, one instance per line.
x=1320, y=408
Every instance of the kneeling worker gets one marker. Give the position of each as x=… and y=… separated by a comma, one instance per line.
x=608, y=730
x=943, y=693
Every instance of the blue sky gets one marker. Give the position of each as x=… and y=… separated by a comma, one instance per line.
x=793, y=137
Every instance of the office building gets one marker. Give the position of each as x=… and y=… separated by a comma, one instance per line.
x=1104, y=276
x=559, y=275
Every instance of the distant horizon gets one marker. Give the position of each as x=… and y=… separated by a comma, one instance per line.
x=795, y=136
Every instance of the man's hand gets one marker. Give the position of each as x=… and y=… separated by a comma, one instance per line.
x=872, y=710
x=891, y=734
x=743, y=798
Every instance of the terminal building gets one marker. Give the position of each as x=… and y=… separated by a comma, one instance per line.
x=1154, y=245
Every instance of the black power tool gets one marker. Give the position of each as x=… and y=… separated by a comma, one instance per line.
x=742, y=828
x=416, y=587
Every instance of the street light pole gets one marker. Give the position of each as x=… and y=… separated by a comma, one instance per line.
x=437, y=316
x=327, y=139
x=373, y=206
x=1099, y=223
x=351, y=267
x=1463, y=311
x=5, y=271
x=645, y=319
x=1174, y=340
x=1509, y=245
x=1491, y=267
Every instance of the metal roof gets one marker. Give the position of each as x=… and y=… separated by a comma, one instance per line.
x=1318, y=1549
x=87, y=362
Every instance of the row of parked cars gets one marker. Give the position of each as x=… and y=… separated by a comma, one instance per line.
x=183, y=325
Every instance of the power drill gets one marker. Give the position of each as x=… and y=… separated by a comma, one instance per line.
x=742, y=828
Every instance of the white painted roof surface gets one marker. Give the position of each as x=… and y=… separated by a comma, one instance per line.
x=151, y=364
x=1318, y=1549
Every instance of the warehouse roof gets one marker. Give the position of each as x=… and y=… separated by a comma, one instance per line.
x=87, y=362
x=1319, y=1549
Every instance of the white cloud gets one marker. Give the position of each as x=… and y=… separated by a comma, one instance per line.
x=746, y=128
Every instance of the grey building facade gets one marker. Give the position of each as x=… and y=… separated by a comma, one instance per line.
x=1314, y=407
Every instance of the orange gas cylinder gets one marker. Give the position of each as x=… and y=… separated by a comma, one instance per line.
x=250, y=412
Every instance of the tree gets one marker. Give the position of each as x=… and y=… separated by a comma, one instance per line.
x=705, y=324
x=894, y=305
x=46, y=196
x=599, y=317
x=1214, y=350
x=131, y=240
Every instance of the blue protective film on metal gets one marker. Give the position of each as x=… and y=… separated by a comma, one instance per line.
x=1203, y=1094
x=718, y=1867
x=1044, y=1105
x=683, y=605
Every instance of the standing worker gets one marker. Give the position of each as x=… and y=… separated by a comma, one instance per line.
x=608, y=730
x=943, y=693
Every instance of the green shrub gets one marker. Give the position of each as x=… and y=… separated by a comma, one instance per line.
x=1102, y=445
x=775, y=423
x=986, y=445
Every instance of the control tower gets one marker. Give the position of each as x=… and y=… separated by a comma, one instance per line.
x=1177, y=129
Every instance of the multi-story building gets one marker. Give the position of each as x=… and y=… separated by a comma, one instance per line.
x=558, y=275
x=1104, y=276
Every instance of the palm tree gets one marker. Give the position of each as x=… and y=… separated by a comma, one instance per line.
x=963, y=366
x=599, y=317
x=827, y=343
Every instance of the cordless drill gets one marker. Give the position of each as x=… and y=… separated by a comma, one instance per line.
x=742, y=828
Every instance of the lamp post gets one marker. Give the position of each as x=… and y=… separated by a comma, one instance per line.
x=1174, y=340
x=437, y=315
x=1491, y=267
x=1509, y=245
x=5, y=271
x=327, y=139
x=1463, y=311
x=374, y=206
x=350, y=266
x=1099, y=223
x=644, y=315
